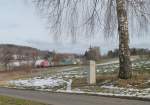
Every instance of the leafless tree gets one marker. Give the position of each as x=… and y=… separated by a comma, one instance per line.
x=114, y=17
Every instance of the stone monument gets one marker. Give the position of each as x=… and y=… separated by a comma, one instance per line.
x=92, y=73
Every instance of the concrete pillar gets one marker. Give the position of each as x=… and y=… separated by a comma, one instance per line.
x=92, y=73
x=69, y=85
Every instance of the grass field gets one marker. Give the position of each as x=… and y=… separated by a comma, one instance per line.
x=57, y=79
x=4, y=100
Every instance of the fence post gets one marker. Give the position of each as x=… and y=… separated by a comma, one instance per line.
x=92, y=73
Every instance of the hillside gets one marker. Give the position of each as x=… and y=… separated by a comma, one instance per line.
x=20, y=50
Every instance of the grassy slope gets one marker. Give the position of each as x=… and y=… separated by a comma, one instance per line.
x=4, y=100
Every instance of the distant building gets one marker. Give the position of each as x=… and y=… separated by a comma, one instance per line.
x=64, y=59
x=42, y=63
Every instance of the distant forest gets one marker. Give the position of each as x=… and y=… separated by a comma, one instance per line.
x=133, y=51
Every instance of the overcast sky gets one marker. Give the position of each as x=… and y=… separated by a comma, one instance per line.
x=21, y=24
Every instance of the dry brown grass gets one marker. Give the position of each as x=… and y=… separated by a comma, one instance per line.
x=137, y=81
x=106, y=78
x=77, y=82
x=16, y=74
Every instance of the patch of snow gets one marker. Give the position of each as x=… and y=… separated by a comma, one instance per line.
x=38, y=82
x=108, y=63
x=104, y=94
x=117, y=91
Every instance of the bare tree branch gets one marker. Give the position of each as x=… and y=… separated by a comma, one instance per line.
x=90, y=16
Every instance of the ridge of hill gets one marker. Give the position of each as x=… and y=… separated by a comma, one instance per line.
x=20, y=50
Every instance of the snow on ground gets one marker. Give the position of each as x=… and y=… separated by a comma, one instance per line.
x=108, y=63
x=112, y=66
x=60, y=85
x=105, y=94
x=127, y=91
x=62, y=81
x=115, y=91
x=114, y=62
x=38, y=82
x=147, y=95
x=58, y=80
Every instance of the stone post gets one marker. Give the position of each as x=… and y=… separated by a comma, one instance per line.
x=92, y=73
x=69, y=85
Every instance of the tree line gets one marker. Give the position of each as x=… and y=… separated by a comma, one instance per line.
x=133, y=52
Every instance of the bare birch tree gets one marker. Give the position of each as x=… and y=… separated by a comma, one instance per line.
x=114, y=17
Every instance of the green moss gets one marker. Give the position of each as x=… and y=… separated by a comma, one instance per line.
x=4, y=100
